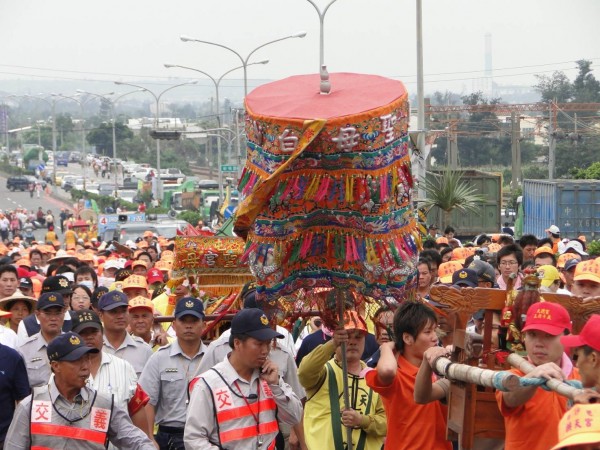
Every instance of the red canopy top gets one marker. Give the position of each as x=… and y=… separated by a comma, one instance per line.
x=298, y=97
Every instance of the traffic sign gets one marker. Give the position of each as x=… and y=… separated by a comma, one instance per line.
x=229, y=168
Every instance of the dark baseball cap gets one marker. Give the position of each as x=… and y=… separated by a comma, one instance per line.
x=465, y=277
x=57, y=283
x=253, y=322
x=571, y=263
x=189, y=306
x=25, y=282
x=484, y=270
x=85, y=318
x=50, y=299
x=68, y=347
x=112, y=300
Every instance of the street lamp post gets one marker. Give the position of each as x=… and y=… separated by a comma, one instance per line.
x=157, y=99
x=114, y=119
x=243, y=60
x=321, y=31
x=217, y=83
x=52, y=105
x=81, y=104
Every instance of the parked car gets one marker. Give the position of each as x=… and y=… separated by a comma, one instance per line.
x=67, y=182
x=142, y=172
x=172, y=174
x=20, y=183
x=62, y=159
x=75, y=157
x=106, y=189
x=129, y=183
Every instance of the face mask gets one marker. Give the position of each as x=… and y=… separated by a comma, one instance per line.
x=88, y=284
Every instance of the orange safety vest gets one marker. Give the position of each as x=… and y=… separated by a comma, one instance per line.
x=49, y=430
x=238, y=419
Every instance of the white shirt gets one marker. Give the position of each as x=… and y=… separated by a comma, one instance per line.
x=8, y=337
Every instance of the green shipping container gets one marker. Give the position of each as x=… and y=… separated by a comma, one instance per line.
x=488, y=217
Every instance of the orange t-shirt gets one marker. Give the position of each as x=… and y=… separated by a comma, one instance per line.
x=410, y=426
x=534, y=425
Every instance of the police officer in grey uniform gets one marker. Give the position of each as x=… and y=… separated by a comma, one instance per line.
x=50, y=312
x=169, y=371
x=66, y=413
x=114, y=314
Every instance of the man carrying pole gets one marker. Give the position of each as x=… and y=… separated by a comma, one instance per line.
x=531, y=408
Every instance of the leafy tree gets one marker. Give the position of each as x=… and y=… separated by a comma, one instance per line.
x=448, y=191
x=585, y=87
x=64, y=123
x=590, y=173
x=101, y=137
x=554, y=87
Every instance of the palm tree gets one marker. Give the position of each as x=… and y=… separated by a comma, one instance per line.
x=448, y=191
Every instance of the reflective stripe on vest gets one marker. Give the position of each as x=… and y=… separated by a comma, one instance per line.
x=249, y=432
x=236, y=419
x=49, y=429
x=242, y=411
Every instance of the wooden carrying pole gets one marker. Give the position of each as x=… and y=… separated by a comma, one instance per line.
x=504, y=381
x=340, y=298
x=526, y=367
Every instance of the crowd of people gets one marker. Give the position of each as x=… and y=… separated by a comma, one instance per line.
x=83, y=360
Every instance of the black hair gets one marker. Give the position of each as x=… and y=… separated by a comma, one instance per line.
x=449, y=229
x=62, y=270
x=512, y=249
x=85, y=288
x=429, y=244
x=528, y=239
x=505, y=239
x=483, y=239
x=72, y=262
x=241, y=337
x=432, y=255
x=13, y=302
x=51, y=269
x=411, y=318
x=143, y=253
x=9, y=268
x=545, y=241
x=85, y=269
x=444, y=251
x=98, y=292
x=546, y=254
x=587, y=350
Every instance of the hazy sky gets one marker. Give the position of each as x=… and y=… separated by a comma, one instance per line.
x=131, y=39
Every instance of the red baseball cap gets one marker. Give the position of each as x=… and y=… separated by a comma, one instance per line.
x=589, y=335
x=548, y=317
x=154, y=275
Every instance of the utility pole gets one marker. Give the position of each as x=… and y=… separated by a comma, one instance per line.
x=452, y=146
x=516, y=149
x=551, y=143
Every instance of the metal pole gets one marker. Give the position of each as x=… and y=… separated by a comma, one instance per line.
x=421, y=164
x=54, y=142
x=321, y=31
x=514, y=139
x=114, y=137
x=158, y=183
x=551, y=143
x=83, y=146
